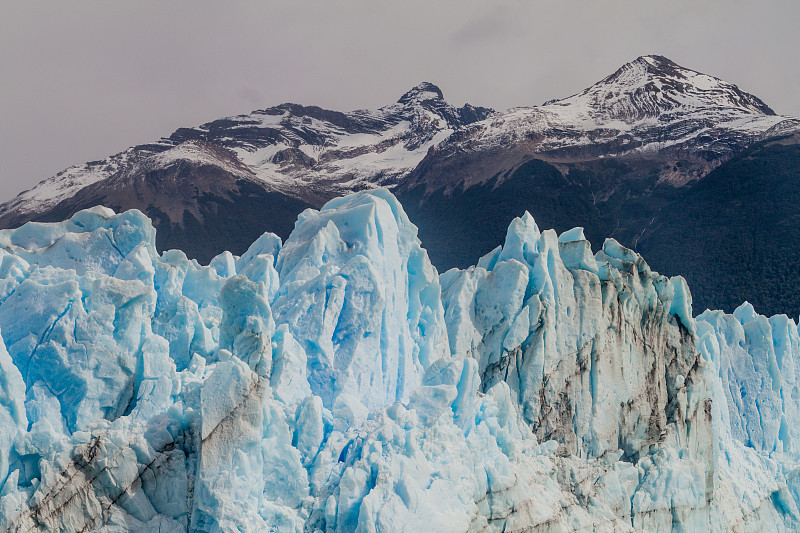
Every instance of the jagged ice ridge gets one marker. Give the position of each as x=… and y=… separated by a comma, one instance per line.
x=336, y=382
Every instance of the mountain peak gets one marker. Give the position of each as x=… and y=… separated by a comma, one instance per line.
x=656, y=66
x=659, y=62
x=652, y=85
x=424, y=92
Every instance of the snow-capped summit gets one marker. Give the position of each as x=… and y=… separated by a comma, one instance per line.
x=651, y=86
x=306, y=152
x=649, y=104
x=650, y=107
x=424, y=92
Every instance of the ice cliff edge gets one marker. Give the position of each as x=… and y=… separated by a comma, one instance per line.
x=336, y=382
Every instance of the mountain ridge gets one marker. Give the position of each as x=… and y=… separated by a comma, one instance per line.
x=280, y=142
x=614, y=158
x=304, y=138
x=627, y=114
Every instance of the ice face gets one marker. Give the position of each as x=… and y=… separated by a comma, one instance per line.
x=583, y=335
x=360, y=295
x=336, y=382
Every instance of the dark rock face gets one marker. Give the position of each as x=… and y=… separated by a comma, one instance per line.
x=459, y=226
x=198, y=206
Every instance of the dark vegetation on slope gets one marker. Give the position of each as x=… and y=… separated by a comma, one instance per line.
x=457, y=227
x=733, y=234
x=610, y=197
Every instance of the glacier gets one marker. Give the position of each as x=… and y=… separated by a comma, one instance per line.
x=336, y=382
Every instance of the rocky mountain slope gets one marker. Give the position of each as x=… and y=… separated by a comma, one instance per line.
x=650, y=108
x=250, y=172
x=620, y=158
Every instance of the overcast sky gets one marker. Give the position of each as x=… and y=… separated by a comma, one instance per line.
x=82, y=80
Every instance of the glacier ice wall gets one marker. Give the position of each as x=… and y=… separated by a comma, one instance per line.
x=361, y=297
x=336, y=382
x=755, y=414
x=598, y=351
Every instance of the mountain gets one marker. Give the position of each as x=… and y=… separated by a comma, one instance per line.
x=623, y=158
x=198, y=194
x=225, y=182
x=650, y=108
x=336, y=382
x=619, y=159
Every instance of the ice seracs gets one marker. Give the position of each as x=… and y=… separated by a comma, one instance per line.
x=336, y=382
x=362, y=298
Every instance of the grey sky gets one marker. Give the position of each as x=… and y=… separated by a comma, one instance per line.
x=82, y=80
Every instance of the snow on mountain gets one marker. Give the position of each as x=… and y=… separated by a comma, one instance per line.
x=314, y=148
x=335, y=382
x=649, y=107
x=652, y=101
x=201, y=154
x=305, y=152
x=66, y=183
x=653, y=85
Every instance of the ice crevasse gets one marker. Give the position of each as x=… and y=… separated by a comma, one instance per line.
x=336, y=382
